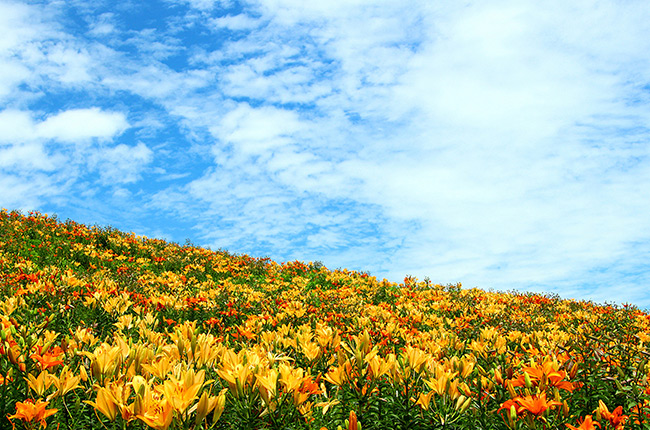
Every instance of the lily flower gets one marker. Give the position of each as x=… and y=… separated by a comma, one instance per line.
x=41, y=383
x=29, y=411
x=587, y=424
x=106, y=403
x=615, y=418
x=66, y=382
x=182, y=392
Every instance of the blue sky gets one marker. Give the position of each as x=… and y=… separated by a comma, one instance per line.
x=502, y=144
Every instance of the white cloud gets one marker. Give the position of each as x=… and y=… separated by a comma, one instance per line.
x=122, y=164
x=18, y=24
x=236, y=22
x=72, y=125
x=492, y=108
x=27, y=157
x=80, y=124
x=26, y=191
x=16, y=126
x=11, y=74
x=103, y=25
x=69, y=65
x=256, y=131
x=203, y=5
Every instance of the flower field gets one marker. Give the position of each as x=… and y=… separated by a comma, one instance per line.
x=107, y=330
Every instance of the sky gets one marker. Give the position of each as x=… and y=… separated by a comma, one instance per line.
x=503, y=145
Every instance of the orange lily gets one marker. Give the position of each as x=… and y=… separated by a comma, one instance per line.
x=30, y=411
x=546, y=373
x=587, y=424
x=49, y=359
x=535, y=405
x=615, y=418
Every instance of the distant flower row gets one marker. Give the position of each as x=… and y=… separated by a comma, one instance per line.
x=102, y=329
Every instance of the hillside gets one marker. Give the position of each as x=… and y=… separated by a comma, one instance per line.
x=106, y=329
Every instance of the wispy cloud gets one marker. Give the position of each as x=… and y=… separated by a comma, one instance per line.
x=502, y=145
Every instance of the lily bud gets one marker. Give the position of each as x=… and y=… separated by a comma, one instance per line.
x=202, y=408
x=574, y=371
x=527, y=380
x=83, y=373
x=556, y=394
x=466, y=405
x=352, y=425
x=220, y=406
x=498, y=377
x=460, y=401
x=180, y=345
x=512, y=416
x=193, y=346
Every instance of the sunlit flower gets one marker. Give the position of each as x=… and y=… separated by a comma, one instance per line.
x=66, y=381
x=29, y=411
x=587, y=424
x=182, y=392
x=41, y=383
x=49, y=359
x=106, y=403
x=615, y=418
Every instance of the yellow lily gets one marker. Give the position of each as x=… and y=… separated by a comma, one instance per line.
x=106, y=403
x=41, y=383
x=268, y=384
x=182, y=392
x=65, y=382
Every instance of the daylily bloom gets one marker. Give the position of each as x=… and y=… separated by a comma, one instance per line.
x=41, y=383
x=158, y=414
x=546, y=374
x=424, y=400
x=615, y=418
x=182, y=392
x=336, y=376
x=268, y=384
x=307, y=388
x=535, y=405
x=105, y=359
x=30, y=411
x=66, y=382
x=106, y=403
x=49, y=359
x=327, y=405
x=587, y=424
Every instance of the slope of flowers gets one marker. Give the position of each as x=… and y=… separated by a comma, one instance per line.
x=106, y=330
